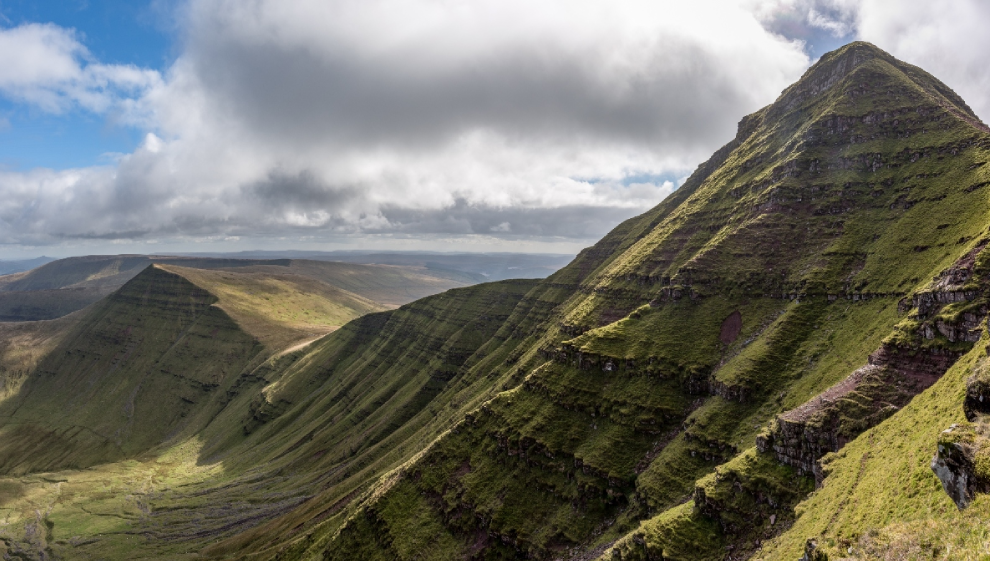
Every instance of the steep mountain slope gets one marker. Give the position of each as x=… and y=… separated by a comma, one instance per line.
x=283, y=435
x=279, y=308
x=772, y=274
x=22, y=345
x=817, y=289
x=151, y=360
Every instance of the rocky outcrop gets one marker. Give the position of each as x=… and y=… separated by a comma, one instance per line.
x=895, y=372
x=977, y=400
x=962, y=456
x=801, y=436
x=961, y=462
x=953, y=287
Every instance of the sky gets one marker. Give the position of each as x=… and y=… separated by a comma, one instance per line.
x=453, y=125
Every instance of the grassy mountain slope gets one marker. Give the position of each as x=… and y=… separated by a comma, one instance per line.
x=279, y=309
x=144, y=364
x=666, y=395
x=23, y=345
x=888, y=247
x=881, y=499
x=295, y=433
x=391, y=285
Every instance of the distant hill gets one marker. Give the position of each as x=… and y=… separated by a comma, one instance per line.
x=61, y=287
x=8, y=267
x=152, y=359
x=279, y=308
x=480, y=266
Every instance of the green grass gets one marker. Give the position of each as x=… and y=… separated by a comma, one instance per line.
x=568, y=436
x=23, y=345
x=145, y=364
x=280, y=310
x=880, y=488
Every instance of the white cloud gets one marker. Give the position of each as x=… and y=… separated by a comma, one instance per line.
x=835, y=24
x=440, y=119
x=46, y=66
x=419, y=117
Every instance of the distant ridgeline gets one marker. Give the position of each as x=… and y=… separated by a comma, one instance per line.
x=58, y=288
x=785, y=359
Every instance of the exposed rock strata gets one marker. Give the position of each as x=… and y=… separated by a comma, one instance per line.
x=895, y=373
x=801, y=436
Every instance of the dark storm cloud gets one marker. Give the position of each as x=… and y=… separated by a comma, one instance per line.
x=301, y=191
x=681, y=97
x=464, y=218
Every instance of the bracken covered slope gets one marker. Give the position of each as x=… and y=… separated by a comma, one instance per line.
x=804, y=313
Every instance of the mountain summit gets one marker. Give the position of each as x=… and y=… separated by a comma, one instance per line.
x=762, y=366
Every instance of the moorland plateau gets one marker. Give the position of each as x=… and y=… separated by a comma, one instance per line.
x=787, y=358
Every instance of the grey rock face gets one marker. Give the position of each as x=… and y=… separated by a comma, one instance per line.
x=977, y=396
x=954, y=465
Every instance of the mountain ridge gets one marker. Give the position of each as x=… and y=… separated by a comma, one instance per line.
x=680, y=270
x=63, y=286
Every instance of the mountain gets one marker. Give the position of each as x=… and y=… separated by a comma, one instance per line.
x=787, y=357
x=154, y=357
x=64, y=286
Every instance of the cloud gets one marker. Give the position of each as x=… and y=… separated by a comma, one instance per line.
x=422, y=73
x=818, y=26
x=46, y=66
x=397, y=117
x=464, y=218
x=432, y=119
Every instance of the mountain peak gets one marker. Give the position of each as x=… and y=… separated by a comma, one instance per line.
x=860, y=66
x=856, y=52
